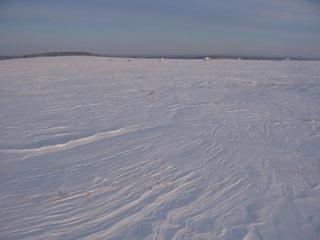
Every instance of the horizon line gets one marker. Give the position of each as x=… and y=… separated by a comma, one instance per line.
x=156, y=56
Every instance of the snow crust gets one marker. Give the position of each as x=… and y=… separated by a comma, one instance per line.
x=98, y=148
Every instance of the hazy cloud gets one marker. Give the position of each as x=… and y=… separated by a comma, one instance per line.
x=253, y=27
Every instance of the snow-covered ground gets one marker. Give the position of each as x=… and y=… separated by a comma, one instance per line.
x=98, y=148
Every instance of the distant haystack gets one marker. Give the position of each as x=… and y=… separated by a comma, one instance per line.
x=207, y=59
x=286, y=60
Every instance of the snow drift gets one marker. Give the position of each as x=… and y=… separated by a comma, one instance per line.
x=179, y=149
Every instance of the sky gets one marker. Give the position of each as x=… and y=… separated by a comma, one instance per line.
x=272, y=28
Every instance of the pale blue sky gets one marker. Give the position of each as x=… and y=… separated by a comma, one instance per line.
x=175, y=27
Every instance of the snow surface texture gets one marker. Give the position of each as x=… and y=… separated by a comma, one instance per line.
x=98, y=148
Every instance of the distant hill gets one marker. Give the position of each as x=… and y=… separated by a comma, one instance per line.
x=50, y=54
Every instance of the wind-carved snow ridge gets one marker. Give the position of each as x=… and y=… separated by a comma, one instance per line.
x=74, y=143
x=98, y=148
